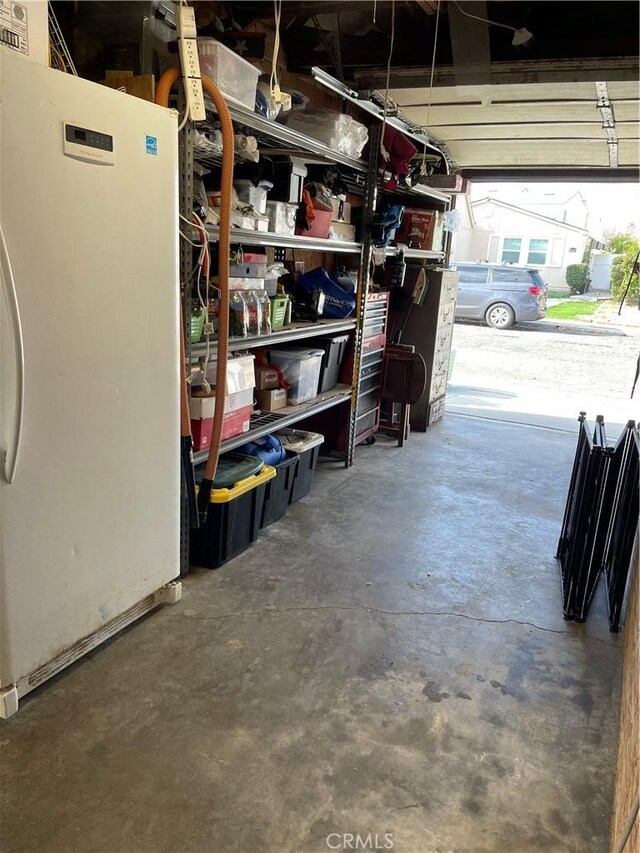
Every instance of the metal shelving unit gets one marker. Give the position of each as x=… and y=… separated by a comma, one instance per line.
x=295, y=332
x=414, y=253
x=292, y=241
x=361, y=177
x=421, y=191
x=276, y=138
x=268, y=422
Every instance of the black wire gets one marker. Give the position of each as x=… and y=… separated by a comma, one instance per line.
x=635, y=378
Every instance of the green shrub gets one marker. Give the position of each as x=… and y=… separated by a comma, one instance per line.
x=620, y=272
x=577, y=277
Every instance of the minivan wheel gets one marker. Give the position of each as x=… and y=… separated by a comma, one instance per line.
x=500, y=316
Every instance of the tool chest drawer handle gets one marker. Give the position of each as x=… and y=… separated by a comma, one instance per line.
x=11, y=456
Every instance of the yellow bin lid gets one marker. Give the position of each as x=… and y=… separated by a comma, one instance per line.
x=223, y=496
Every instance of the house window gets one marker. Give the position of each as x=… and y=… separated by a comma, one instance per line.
x=538, y=252
x=511, y=250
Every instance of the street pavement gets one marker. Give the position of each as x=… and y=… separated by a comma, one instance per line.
x=545, y=373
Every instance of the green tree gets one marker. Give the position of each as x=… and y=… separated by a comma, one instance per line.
x=626, y=245
x=577, y=276
x=620, y=272
x=623, y=244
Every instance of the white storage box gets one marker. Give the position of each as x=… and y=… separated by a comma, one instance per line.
x=236, y=78
x=240, y=374
x=248, y=193
x=301, y=369
x=282, y=217
x=201, y=408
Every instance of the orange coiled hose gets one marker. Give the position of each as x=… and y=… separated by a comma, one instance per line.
x=165, y=84
x=226, y=187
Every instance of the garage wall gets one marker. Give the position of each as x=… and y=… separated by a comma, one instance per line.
x=627, y=782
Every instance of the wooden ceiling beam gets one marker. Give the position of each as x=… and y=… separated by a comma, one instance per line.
x=589, y=69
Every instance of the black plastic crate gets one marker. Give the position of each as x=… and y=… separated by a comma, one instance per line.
x=278, y=495
x=304, y=473
x=335, y=349
x=231, y=526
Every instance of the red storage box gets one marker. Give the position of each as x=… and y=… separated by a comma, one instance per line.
x=201, y=431
x=233, y=423
x=320, y=226
x=417, y=228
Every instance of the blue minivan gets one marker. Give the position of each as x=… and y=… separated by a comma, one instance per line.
x=500, y=294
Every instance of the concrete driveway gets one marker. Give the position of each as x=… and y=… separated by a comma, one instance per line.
x=545, y=374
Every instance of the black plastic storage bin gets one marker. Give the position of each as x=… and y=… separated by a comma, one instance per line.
x=335, y=349
x=278, y=495
x=307, y=447
x=233, y=520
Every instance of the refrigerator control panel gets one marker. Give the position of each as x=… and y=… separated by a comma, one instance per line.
x=92, y=146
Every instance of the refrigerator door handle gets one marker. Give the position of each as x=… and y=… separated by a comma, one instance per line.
x=12, y=454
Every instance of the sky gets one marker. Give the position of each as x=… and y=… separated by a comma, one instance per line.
x=613, y=206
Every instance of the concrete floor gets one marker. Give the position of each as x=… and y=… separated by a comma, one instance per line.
x=390, y=658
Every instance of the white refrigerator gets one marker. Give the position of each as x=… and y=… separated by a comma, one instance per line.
x=89, y=405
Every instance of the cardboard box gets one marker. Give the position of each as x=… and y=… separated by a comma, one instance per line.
x=271, y=401
x=454, y=183
x=343, y=231
x=233, y=423
x=202, y=408
x=341, y=210
x=202, y=430
x=320, y=225
x=240, y=374
x=417, y=228
x=266, y=378
x=142, y=86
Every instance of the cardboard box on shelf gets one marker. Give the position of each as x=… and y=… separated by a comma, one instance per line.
x=248, y=269
x=341, y=210
x=236, y=418
x=266, y=378
x=272, y=400
x=437, y=243
x=320, y=225
x=417, y=228
x=282, y=217
x=240, y=374
x=201, y=408
x=201, y=431
x=453, y=183
x=233, y=423
x=142, y=86
x=343, y=231
x=240, y=220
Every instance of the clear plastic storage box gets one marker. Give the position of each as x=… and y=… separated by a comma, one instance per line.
x=307, y=446
x=301, y=369
x=236, y=78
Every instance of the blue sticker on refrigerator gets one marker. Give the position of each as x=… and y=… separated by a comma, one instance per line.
x=152, y=145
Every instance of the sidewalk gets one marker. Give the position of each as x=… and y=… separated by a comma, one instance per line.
x=581, y=326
